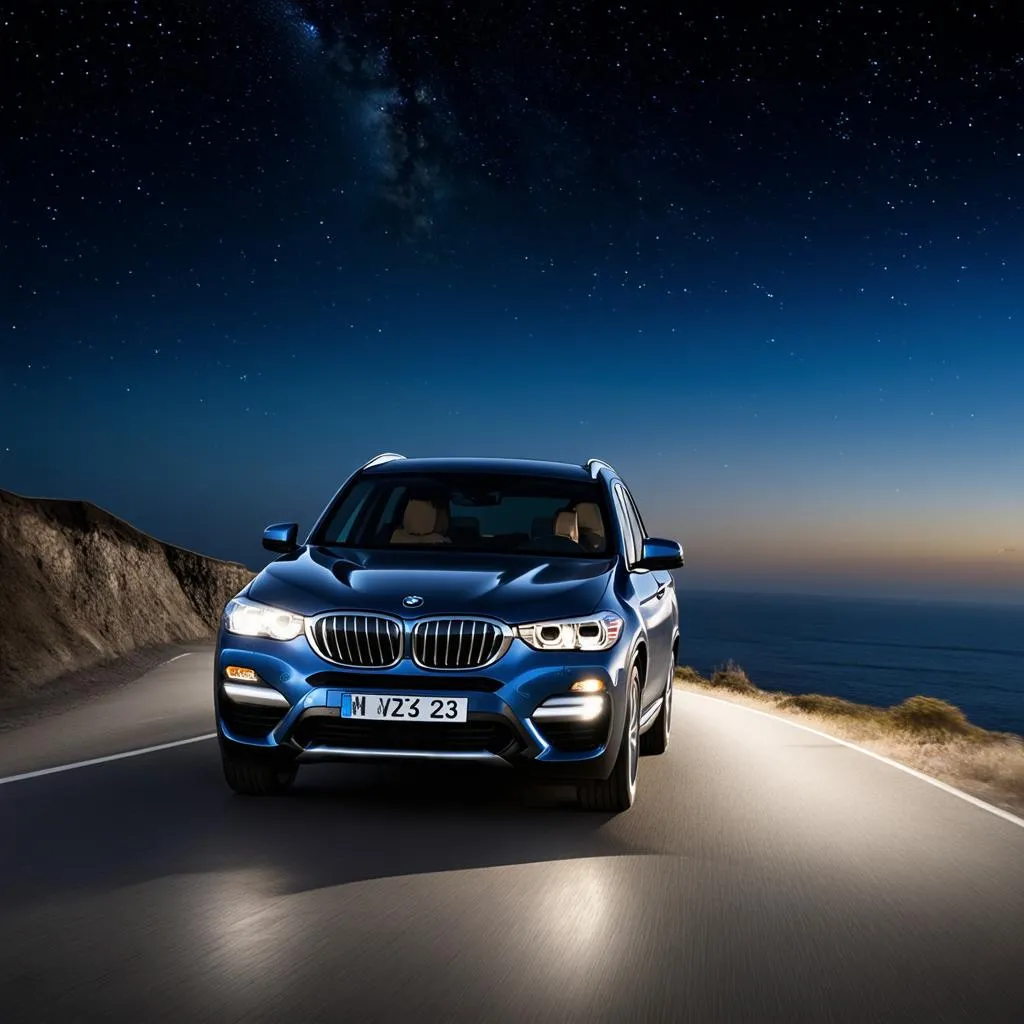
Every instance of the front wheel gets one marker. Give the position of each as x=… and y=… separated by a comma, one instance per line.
x=253, y=775
x=618, y=791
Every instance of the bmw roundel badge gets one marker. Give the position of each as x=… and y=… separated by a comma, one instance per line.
x=412, y=601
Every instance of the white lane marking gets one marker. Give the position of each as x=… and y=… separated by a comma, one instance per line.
x=991, y=808
x=108, y=757
x=176, y=657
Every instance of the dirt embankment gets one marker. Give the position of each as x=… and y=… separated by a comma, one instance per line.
x=79, y=587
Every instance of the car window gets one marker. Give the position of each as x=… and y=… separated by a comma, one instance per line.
x=513, y=511
x=635, y=509
x=389, y=513
x=631, y=523
x=627, y=533
x=342, y=519
x=471, y=511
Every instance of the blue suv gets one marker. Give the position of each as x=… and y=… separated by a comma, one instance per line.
x=508, y=612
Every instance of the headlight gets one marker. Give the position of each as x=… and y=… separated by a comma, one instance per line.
x=592, y=634
x=247, y=618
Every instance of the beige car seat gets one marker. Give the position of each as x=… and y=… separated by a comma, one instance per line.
x=591, y=525
x=566, y=525
x=419, y=524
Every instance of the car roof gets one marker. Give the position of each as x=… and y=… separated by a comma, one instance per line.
x=514, y=467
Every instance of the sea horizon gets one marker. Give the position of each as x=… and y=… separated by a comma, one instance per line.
x=874, y=650
x=995, y=601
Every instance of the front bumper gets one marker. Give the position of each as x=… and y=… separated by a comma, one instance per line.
x=293, y=709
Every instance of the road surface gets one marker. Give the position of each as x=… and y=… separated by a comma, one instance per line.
x=765, y=874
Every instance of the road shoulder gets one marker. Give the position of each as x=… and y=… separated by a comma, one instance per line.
x=944, y=764
x=128, y=709
x=83, y=686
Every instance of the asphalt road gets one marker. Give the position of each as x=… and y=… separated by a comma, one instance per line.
x=765, y=874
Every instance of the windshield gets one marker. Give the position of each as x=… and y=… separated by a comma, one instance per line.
x=470, y=512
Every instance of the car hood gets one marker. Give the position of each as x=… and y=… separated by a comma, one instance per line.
x=514, y=588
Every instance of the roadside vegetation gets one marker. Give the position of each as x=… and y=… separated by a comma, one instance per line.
x=924, y=733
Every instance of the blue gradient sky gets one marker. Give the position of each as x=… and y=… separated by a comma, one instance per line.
x=777, y=285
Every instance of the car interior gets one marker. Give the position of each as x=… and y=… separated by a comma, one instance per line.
x=422, y=523
x=428, y=520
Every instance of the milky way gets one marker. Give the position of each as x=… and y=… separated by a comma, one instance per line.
x=766, y=258
x=710, y=106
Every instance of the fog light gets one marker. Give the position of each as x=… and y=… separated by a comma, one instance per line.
x=571, y=709
x=587, y=686
x=241, y=675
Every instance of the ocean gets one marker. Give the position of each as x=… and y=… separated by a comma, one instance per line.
x=872, y=651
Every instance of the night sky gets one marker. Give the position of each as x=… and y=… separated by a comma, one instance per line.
x=768, y=264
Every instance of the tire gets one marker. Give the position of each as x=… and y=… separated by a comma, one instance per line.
x=655, y=740
x=256, y=776
x=617, y=793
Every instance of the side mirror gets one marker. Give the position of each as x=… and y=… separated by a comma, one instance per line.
x=659, y=553
x=281, y=537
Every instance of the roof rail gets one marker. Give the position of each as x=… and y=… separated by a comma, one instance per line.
x=378, y=460
x=596, y=465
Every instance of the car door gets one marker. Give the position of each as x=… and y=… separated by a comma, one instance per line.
x=654, y=596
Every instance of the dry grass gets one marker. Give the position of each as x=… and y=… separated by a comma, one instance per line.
x=924, y=733
x=731, y=677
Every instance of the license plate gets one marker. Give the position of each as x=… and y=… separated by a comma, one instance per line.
x=393, y=708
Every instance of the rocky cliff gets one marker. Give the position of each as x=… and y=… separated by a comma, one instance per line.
x=79, y=587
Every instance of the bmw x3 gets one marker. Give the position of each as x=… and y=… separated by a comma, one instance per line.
x=507, y=612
